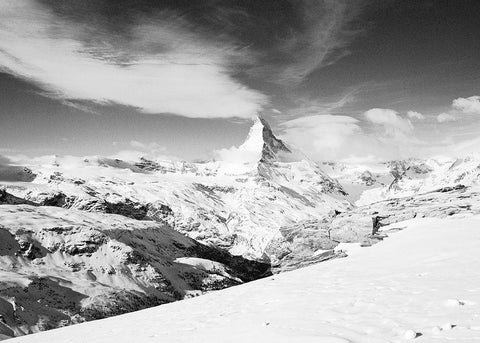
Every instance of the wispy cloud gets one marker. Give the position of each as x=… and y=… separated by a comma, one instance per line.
x=321, y=39
x=326, y=34
x=186, y=74
x=308, y=107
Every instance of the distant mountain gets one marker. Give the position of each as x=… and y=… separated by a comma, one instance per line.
x=368, y=183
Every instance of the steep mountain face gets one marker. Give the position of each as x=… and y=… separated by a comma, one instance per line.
x=272, y=146
x=59, y=267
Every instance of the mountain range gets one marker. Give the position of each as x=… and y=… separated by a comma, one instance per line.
x=83, y=238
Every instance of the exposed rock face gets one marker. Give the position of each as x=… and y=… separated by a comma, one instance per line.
x=271, y=144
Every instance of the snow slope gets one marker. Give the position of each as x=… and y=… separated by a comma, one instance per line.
x=422, y=284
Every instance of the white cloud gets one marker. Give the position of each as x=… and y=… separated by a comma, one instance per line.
x=325, y=131
x=467, y=105
x=445, y=117
x=338, y=137
x=415, y=115
x=325, y=137
x=394, y=125
x=189, y=76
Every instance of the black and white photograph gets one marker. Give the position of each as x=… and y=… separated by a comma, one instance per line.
x=241, y=171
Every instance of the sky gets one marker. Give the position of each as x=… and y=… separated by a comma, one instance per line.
x=350, y=80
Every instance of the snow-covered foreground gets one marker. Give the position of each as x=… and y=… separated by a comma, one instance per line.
x=423, y=281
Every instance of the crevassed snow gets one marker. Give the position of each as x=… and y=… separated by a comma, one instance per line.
x=398, y=290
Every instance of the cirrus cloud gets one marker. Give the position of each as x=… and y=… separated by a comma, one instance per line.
x=188, y=74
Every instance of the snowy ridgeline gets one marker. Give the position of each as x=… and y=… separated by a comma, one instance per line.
x=88, y=238
x=422, y=283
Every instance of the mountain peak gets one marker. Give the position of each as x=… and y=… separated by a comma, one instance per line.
x=261, y=145
x=271, y=144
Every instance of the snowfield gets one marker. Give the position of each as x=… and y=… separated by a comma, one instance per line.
x=422, y=283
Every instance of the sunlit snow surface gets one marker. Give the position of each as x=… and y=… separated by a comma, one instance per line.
x=421, y=284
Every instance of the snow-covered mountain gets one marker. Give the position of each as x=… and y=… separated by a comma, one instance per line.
x=240, y=205
x=368, y=183
x=90, y=237
x=85, y=238
x=419, y=176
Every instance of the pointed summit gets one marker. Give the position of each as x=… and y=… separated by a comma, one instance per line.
x=271, y=144
x=261, y=145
